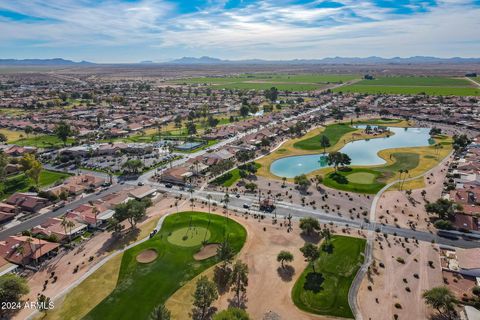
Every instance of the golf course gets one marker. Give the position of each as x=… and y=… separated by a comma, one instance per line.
x=325, y=290
x=400, y=152
x=171, y=263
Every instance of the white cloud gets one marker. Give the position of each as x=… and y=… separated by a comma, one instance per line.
x=266, y=29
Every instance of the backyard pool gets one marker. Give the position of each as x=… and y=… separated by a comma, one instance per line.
x=362, y=152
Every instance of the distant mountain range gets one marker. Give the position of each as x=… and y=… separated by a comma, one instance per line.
x=335, y=60
x=216, y=61
x=43, y=62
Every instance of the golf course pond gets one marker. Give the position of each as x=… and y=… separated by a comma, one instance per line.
x=361, y=152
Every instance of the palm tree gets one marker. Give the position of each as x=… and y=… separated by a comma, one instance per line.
x=226, y=200
x=209, y=197
x=21, y=250
x=404, y=177
x=95, y=212
x=400, y=178
x=70, y=224
x=29, y=241
x=64, y=224
x=191, y=197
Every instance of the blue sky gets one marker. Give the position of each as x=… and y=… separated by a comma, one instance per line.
x=160, y=30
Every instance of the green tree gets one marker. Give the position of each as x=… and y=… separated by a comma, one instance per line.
x=435, y=131
x=28, y=130
x=3, y=163
x=212, y=122
x=318, y=180
x=43, y=303
x=444, y=208
x=311, y=253
x=284, y=256
x=178, y=121
x=324, y=143
x=132, y=166
x=338, y=159
x=32, y=167
x=271, y=94
x=160, y=313
x=133, y=211
x=244, y=111
x=191, y=128
x=309, y=225
x=3, y=138
x=302, y=182
x=225, y=253
x=441, y=299
x=12, y=288
x=239, y=281
x=203, y=297
x=232, y=314
x=63, y=131
x=460, y=142
x=245, y=155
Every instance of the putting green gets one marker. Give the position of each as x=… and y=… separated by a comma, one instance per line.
x=189, y=236
x=361, y=177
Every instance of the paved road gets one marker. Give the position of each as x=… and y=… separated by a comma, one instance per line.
x=423, y=236
x=39, y=219
x=144, y=178
x=283, y=209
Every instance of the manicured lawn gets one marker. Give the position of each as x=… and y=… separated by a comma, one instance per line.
x=362, y=177
x=325, y=292
x=333, y=132
x=89, y=292
x=372, y=180
x=362, y=181
x=12, y=135
x=21, y=183
x=383, y=121
x=403, y=161
x=229, y=178
x=141, y=287
x=42, y=141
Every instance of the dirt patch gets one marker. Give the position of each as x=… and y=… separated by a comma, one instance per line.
x=147, y=256
x=208, y=251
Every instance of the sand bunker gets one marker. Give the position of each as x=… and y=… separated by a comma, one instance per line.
x=206, y=252
x=147, y=256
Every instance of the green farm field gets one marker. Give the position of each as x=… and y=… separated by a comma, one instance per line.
x=414, y=85
x=299, y=82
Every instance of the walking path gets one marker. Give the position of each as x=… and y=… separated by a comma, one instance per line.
x=353, y=291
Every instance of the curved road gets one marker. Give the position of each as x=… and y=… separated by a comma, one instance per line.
x=353, y=291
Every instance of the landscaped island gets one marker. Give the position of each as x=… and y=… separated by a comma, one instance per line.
x=324, y=288
x=378, y=154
